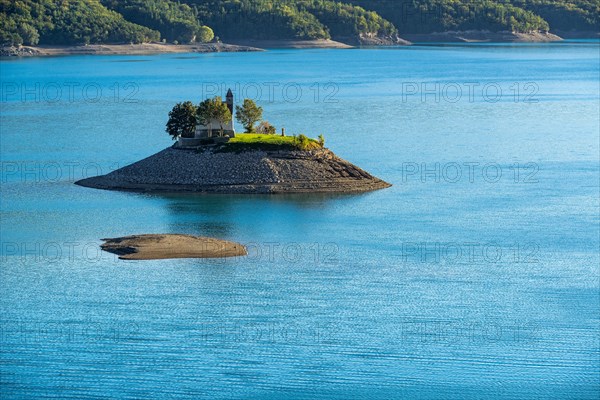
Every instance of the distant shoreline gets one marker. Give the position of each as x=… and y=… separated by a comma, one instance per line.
x=163, y=48
x=578, y=34
x=482, y=37
x=261, y=45
x=293, y=44
x=123, y=49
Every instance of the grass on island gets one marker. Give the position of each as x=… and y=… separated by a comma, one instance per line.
x=255, y=141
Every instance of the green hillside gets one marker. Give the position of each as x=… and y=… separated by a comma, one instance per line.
x=286, y=19
x=174, y=21
x=426, y=16
x=579, y=15
x=66, y=22
x=123, y=21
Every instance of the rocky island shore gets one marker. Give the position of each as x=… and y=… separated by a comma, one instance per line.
x=253, y=171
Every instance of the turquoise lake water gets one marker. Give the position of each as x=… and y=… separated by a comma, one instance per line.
x=476, y=275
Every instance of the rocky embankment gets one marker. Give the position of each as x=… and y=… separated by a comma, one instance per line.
x=285, y=171
x=377, y=40
x=292, y=44
x=18, y=51
x=578, y=34
x=481, y=36
x=122, y=49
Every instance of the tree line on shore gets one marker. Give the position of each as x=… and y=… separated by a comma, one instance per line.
x=66, y=22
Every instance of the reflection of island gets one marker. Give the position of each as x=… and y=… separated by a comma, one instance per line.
x=209, y=156
x=244, y=217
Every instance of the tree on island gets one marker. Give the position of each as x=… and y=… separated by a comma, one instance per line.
x=182, y=120
x=213, y=110
x=222, y=114
x=248, y=114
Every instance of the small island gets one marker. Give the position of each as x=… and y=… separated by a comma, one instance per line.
x=210, y=157
x=164, y=246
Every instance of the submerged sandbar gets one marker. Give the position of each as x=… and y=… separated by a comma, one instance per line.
x=164, y=246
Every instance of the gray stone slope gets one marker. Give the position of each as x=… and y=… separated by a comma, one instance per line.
x=177, y=170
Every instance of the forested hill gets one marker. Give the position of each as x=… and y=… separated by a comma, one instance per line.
x=352, y=21
x=426, y=16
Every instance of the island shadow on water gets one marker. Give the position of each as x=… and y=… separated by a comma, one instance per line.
x=211, y=218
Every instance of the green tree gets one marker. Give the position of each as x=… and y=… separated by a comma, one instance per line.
x=248, y=114
x=182, y=120
x=29, y=34
x=222, y=113
x=213, y=110
x=204, y=34
x=205, y=112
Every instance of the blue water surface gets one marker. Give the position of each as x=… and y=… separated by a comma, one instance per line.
x=476, y=275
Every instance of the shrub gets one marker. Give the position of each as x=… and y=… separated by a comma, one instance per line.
x=266, y=128
x=303, y=142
